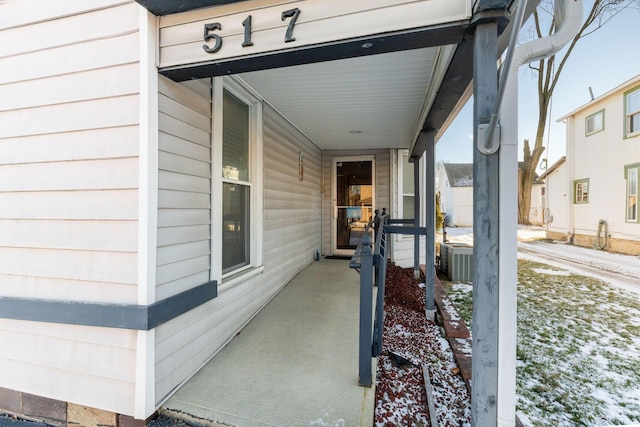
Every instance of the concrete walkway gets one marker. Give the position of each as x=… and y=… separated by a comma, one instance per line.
x=294, y=364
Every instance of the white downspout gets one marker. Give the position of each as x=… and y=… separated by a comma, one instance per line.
x=568, y=15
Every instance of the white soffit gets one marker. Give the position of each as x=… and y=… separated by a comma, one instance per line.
x=366, y=103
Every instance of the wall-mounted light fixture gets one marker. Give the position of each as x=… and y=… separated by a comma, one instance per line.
x=300, y=166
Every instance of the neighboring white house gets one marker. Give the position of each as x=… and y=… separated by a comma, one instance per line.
x=454, y=181
x=602, y=167
x=455, y=184
x=555, y=194
x=163, y=176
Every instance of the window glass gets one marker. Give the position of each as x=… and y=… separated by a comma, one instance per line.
x=407, y=176
x=235, y=226
x=633, y=101
x=408, y=192
x=581, y=191
x=634, y=123
x=235, y=151
x=595, y=122
x=633, y=111
x=632, y=195
x=236, y=184
x=408, y=206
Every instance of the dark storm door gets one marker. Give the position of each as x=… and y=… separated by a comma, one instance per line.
x=353, y=201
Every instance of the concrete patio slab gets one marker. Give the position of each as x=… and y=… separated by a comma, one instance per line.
x=294, y=364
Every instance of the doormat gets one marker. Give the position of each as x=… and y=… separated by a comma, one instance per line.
x=337, y=257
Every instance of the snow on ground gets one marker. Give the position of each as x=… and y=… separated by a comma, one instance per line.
x=578, y=344
x=622, y=271
x=411, y=343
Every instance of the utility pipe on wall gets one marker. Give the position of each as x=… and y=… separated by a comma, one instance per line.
x=568, y=15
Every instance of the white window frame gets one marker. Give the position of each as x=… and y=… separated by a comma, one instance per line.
x=632, y=170
x=628, y=115
x=255, y=103
x=402, y=193
x=593, y=119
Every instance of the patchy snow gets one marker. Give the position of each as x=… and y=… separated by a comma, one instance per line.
x=551, y=272
x=322, y=423
x=578, y=349
x=622, y=271
x=409, y=342
x=464, y=345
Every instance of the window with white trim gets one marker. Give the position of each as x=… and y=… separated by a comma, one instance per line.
x=407, y=188
x=631, y=174
x=632, y=112
x=594, y=123
x=237, y=182
x=581, y=191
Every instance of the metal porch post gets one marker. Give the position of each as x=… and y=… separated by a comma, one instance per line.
x=416, y=215
x=485, y=234
x=430, y=222
x=366, y=315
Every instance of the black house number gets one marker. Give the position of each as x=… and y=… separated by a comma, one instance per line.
x=213, y=41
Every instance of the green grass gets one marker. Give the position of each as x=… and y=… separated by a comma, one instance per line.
x=578, y=349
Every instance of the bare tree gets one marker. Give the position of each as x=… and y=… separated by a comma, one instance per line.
x=548, y=74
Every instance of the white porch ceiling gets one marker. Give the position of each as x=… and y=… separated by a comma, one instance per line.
x=369, y=102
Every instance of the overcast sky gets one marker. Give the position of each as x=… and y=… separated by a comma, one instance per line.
x=603, y=60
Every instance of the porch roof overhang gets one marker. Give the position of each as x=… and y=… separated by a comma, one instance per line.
x=410, y=82
x=168, y=7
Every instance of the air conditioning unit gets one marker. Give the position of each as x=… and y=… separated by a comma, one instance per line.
x=444, y=253
x=460, y=263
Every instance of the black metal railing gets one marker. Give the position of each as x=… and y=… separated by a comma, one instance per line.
x=370, y=260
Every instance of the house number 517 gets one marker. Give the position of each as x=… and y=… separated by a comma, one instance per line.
x=213, y=41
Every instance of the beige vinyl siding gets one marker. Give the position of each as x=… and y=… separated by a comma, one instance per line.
x=69, y=98
x=181, y=33
x=594, y=160
x=184, y=188
x=291, y=236
x=382, y=187
x=68, y=159
x=70, y=363
x=601, y=158
x=292, y=207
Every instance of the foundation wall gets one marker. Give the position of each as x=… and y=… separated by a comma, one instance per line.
x=58, y=413
x=623, y=246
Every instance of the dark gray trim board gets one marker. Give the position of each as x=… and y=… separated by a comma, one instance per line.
x=122, y=316
x=167, y=7
x=405, y=229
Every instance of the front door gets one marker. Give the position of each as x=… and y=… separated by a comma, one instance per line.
x=353, y=200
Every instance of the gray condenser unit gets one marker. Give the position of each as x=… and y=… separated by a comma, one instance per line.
x=459, y=263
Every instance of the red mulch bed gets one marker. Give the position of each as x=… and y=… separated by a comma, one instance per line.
x=400, y=392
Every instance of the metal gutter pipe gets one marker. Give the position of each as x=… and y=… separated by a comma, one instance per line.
x=569, y=16
x=488, y=144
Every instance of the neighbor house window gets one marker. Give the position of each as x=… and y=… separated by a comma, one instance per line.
x=631, y=173
x=236, y=204
x=632, y=112
x=581, y=191
x=594, y=123
x=408, y=192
